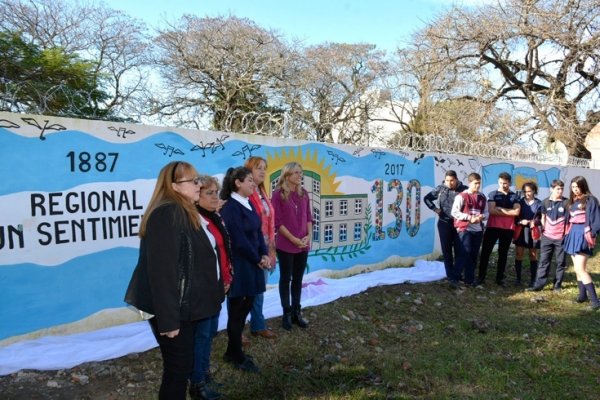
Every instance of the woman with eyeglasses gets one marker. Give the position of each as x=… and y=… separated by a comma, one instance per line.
x=293, y=224
x=264, y=209
x=211, y=221
x=249, y=258
x=176, y=279
x=529, y=217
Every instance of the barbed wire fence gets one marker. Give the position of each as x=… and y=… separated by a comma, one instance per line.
x=282, y=124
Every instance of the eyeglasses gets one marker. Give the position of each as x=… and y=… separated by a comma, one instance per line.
x=210, y=192
x=195, y=180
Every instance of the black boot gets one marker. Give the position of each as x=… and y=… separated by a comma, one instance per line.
x=200, y=391
x=533, y=270
x=286, y=319
x=582, y=296
x=591, y=291
x=297, y=318
x=518, y=270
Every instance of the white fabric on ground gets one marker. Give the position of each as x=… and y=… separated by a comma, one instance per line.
x=59, y=352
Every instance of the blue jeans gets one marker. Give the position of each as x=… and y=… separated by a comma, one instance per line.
x=257, y=319
x=469, y=243
x=206, y=329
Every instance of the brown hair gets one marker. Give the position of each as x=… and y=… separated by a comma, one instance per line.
x=165, y=194
x=254, y=162
x=583, y=188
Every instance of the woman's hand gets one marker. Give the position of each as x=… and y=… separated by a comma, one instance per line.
x=300, y=243
x=265, y=262
x=170, y=334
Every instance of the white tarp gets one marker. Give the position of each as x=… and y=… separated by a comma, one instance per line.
x=59, y=352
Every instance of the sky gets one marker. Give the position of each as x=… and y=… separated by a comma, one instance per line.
x=385, y=23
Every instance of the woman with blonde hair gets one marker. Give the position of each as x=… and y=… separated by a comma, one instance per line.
x=264, y=209
x=177, y=279
x=293, y=224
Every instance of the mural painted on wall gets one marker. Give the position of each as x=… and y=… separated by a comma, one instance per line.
x=73, y=194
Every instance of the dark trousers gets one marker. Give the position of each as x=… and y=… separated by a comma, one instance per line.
x=178, y=360
x=469, y=243
x=238, y=309
x=449, y=244
x=549, y=247
x=490, y=237
x=291, y=269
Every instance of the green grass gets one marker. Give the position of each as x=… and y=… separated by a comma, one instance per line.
x=413, y=341
x=429, y=342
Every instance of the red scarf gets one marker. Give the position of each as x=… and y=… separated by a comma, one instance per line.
x=223, y=260
x=267, y=221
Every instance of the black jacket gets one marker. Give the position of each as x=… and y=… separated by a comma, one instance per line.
x=445, y=198
x=176, y=276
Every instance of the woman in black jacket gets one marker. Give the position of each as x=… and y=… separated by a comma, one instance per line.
x=176, y=279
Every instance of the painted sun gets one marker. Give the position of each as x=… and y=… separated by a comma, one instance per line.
x=309, y=162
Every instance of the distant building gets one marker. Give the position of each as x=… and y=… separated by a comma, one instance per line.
x=592, y=143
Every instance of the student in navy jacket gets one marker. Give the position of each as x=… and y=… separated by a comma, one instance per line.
x=249, y=257
x=583, y=225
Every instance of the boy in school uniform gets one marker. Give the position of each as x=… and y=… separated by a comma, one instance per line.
x=469, y=210
x=503, y=206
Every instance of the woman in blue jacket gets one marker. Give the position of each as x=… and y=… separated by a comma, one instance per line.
x=583, y=225
x=249, y=257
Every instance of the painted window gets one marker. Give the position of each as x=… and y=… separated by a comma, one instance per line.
x=344, y=207
x=328, y=233
x=316, y=187
x=357, y=231
x=316, y=224
x=343, y=232
x=358, y=206
x=329, y=208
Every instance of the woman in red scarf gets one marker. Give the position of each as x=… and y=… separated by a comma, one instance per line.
x=263, y=207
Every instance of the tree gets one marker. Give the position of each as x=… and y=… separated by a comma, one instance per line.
x=112, y=44
x=45, y=81
x=539, y=59
x=224, y=67
x=431, y=96
x=329, y=87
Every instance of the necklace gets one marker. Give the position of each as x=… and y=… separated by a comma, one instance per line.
x=293, y=203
